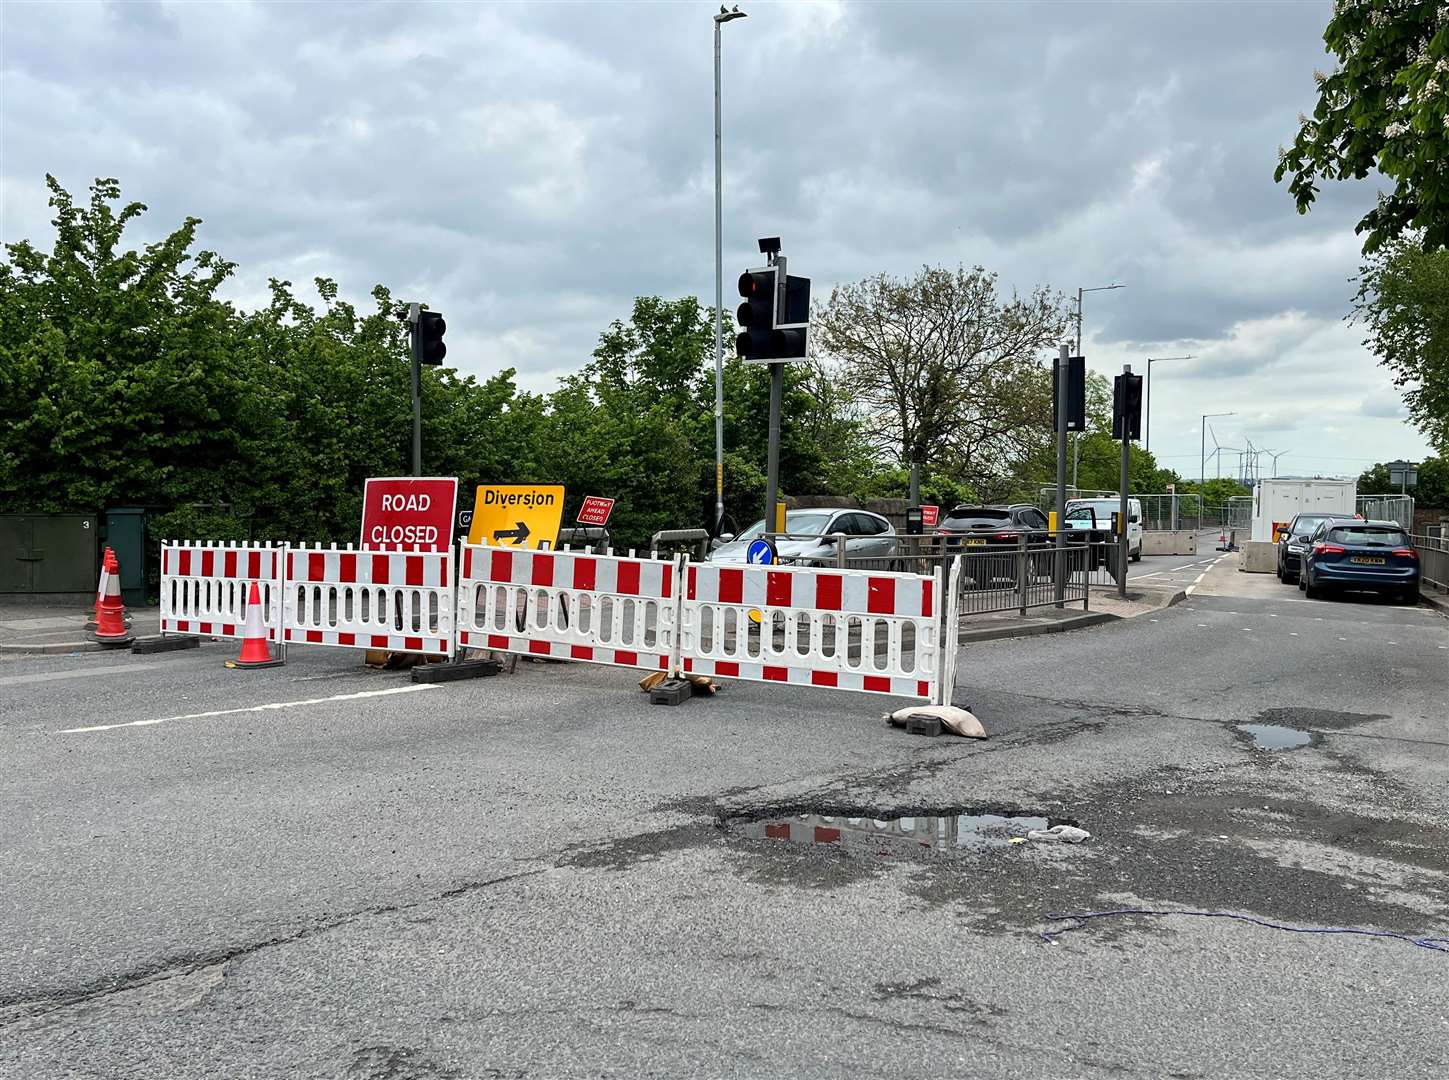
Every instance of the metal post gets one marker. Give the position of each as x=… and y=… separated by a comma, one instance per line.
x=1202, y=455
x=1061, y=554
x=1021, y=569
x=777, y=392
x=1123, y=542
x=414, y=318
x=1147, y=410
x=915, y=492
x=718, y=301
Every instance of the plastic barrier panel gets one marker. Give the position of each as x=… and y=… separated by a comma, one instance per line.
x=365, y=599
x=603, y=609
x=847, y=629
x=204, y=587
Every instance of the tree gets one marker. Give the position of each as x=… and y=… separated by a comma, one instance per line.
x=945, y=372
x=1384, y=107
x=1403, y=299
x=1432, y=490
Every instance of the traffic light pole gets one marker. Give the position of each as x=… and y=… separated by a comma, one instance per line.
x=1122, y=519
x=777, y=393
x=1063, y=366
x=414, y=336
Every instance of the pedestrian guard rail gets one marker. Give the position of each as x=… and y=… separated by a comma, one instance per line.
x=863, y=630
x=204, y=587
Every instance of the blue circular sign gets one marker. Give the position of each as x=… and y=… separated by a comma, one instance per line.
x=760, y=551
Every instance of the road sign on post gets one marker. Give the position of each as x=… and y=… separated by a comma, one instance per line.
x=517, y=515
x=407, y=511
x=930, y=515
x=595, y=511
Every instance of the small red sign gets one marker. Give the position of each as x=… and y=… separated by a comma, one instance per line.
x=930, y=515
x=409, y=511
x=595, y=510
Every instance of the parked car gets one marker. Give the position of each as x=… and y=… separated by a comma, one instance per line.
x=1295, y=540
x=815, y=536
x=1352, y=554
x=969, y=527
x=1103, y=509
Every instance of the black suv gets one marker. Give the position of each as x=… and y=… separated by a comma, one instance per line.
x=1294, y=541
x=968, y=528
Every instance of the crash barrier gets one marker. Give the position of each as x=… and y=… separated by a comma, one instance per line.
x=876, y=632
x=602, y=609
x=204, y=587
x=369, y=599
x=1433, y=560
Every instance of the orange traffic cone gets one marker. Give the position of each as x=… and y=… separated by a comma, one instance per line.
x=254, y=636
x=110, y=609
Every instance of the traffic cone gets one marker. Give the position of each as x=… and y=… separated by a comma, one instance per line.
x=110, y=608
x=255, y=652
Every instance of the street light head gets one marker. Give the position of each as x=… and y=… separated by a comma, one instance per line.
x=769, y=245
x=725, y=16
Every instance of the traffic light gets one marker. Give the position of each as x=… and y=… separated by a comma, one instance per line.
x=756, y=315
x=768, y=333
x=1076, y=393
x=1127, y=406
x=431, y=329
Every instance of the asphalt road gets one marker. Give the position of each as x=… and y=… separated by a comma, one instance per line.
x=320, y=871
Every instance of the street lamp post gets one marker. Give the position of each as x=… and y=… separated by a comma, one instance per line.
x=1202, y=454
x=719, y=20
x=1076, y=447
x=1147, y=405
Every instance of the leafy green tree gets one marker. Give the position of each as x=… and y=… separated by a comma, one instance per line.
x=1403, y=300
x=1384, y=108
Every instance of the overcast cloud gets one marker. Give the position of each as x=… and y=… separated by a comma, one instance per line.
x=529, y=168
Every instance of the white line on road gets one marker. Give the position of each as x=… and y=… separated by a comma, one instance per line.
x=99, y=671
x=256, y=708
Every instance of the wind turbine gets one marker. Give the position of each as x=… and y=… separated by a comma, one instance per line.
x=1218, y=449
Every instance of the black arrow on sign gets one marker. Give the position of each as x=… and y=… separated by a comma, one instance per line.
x=518, y=535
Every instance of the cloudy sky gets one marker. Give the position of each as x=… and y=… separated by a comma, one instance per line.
x=529, y=168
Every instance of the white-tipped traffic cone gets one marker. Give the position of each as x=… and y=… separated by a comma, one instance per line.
x=254, y=652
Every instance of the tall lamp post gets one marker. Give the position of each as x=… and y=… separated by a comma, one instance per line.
x=719, y=20
x=1202, y=457
x=1147, y=406
x=1076, y=448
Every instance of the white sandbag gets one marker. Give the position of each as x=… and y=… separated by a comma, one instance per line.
x=1059, y=834
x=955, y=719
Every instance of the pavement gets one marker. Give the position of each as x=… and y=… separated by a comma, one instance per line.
x=49, y=628
x=327, y=871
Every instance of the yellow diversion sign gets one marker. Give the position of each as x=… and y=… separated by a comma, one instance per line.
x=517, y=515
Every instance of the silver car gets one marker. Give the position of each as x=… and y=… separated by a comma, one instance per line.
x=814, y=536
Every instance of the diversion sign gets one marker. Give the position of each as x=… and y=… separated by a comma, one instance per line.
x=517, y=515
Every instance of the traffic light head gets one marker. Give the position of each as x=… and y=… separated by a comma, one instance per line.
x=756, y=315
x=431, y=329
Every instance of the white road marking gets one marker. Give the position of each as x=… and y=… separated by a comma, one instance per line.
x=98, y=672
x=1272, y=616
x=1292, y=633
x=269, y=707
x=1202, y=626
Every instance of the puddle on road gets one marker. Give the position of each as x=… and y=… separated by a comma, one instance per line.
x=915, y=837
x=1275, y=736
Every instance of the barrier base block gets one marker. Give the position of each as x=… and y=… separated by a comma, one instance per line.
x=464, y=669
x=122, y=641
x=671, y=692
x=238, y=665
x=145, y=645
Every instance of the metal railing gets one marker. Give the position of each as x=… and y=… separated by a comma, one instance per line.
x=1433, y=560
x=1399, y=508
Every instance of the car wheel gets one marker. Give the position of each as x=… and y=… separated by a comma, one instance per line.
x=1409, y=596
x=1137, y=555
x=1310, y=590
x=1302, y=580
x=1281, y=576
x=1289, y=578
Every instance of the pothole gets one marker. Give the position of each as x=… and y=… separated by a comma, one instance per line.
x=904, y=836
x=1275, y=736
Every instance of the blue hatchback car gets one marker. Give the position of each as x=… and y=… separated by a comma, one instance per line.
x=1372, y=555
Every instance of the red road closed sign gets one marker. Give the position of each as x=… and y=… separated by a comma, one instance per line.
x=930, y=515
x=596, y=510
x=409, y=511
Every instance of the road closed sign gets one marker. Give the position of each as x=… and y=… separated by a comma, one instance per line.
x=517, y=515
x=409, y=511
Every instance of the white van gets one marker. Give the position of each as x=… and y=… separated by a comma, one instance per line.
x=1104, y=509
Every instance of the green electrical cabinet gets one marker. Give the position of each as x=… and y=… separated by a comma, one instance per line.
x=126, y=535
x=48, y=557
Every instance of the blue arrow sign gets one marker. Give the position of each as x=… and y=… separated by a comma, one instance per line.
x=760, y=551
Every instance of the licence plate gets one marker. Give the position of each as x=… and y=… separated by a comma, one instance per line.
x=1369, y=560
x=975, y=543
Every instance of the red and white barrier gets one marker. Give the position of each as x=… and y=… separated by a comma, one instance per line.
x=365, y=599
x=846, y=629
x=204, y=587
x=602, y=609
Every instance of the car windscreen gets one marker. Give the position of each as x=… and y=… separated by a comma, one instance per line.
x=1306, y=523
x=797, y=523
x=980, y=518
x=1367, y=536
